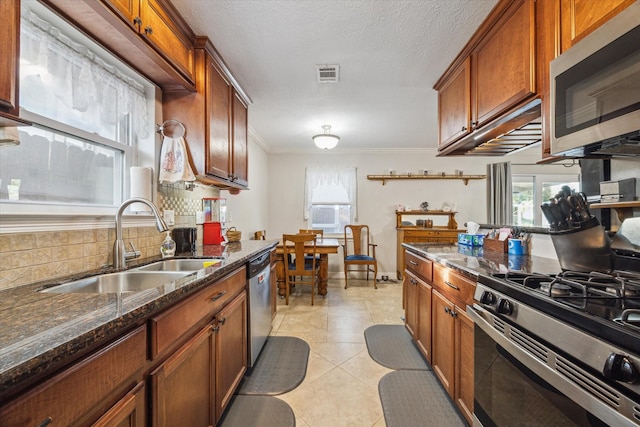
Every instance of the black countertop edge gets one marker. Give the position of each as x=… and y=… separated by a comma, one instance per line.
x=473, y=261
x=27, y=363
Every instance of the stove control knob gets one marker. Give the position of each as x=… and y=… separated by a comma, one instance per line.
x=619, y=367
x=488, y=298
x=504, y=306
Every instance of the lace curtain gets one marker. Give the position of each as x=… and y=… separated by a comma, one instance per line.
x=345, y=178
x=67, y=82
x=499, y=195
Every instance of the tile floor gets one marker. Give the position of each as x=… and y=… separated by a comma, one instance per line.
x=341, y=385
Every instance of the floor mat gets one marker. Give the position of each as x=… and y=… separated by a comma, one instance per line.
x=265, y=411
x=412, y=398
x=280, y=367
x=392, y=346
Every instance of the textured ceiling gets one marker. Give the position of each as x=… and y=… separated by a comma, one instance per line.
x=390, y=52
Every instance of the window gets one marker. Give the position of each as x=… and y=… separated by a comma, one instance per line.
x=90, y=115
x=530, y=191
x=330, y=198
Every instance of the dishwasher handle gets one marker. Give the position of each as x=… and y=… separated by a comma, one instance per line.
x=259, y=263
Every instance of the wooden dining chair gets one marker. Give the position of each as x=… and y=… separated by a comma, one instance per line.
x=319, y=235
x=296, y=270
x=358, y=251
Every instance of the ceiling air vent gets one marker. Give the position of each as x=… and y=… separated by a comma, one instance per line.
x=327, y=73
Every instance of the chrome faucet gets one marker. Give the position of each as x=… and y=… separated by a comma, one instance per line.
x=120, y=254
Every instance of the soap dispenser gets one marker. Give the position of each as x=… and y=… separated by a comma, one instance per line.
x=168, y=247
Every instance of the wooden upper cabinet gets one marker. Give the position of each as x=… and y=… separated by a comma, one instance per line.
x=454, y=105
x=218, y=150
x=216, y=121
x=240, y=154
x=158, y=27
x=9, y=46
x=154, y=23
x=150, y=35
x=503, y=64
x=578, y=18
x=493, y=74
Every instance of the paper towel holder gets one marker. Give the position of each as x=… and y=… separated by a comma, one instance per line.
x=160, y=128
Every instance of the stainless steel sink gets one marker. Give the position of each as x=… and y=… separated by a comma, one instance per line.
x=124, y=281
x=179, y=265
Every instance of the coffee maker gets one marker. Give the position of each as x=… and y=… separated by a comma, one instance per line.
x=186, y=239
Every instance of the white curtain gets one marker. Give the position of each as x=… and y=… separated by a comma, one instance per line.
x=499, y=194
x=346, y=178
x=67, y=82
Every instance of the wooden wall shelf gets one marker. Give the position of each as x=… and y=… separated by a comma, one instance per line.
x=623, y=209
x=385, y=178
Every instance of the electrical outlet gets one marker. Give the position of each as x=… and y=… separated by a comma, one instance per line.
x=199, y=217
x=169, y=216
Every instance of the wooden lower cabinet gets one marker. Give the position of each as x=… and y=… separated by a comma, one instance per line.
x=128, y=412
x=423, y=336
x=182, y=391
x=231, y=350
x=443, y=344
x=418, y=311
x=463, y=387
x=452, y=351
x=86, y=391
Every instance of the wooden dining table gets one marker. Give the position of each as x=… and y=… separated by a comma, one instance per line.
x=324, y=247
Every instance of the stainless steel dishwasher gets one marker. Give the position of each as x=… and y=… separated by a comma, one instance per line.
x=259, y=304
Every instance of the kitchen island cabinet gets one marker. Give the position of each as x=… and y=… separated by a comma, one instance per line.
x=215, y=117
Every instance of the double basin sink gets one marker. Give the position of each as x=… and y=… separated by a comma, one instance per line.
x=136, y=279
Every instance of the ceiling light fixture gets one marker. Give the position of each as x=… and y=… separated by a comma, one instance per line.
x=325, y=140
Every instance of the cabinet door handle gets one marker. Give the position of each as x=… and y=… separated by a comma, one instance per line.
x=45, y=422
x=222, y=320
x=473, y=125
x=216, y=328
x=447, y=310
x=137, y=21
x=218, y=296
x=453, y=313
x=451, y=285
x=415, y=264
x=413, y=281
x=464, y=129
x=148, y=30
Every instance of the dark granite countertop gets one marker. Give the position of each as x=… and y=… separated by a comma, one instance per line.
x=474, y=260
x=40, y=332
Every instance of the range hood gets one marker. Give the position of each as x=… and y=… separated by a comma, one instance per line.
x=517, y=129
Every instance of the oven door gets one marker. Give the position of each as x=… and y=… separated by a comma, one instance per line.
x=514, y=384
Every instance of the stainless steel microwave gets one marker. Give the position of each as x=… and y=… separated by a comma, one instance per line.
x=595, y=91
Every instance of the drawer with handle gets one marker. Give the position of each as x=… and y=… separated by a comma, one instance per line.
x=454, y=285
x=419, y=265
x=169, y=327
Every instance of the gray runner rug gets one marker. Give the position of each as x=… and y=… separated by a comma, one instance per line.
x=280, y=367
x=392, y=346
x=417, y=399
x=263, y=411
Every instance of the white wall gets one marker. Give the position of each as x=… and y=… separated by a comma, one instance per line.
x=247, y=211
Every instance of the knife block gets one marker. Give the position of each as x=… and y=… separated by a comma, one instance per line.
x=495, y=245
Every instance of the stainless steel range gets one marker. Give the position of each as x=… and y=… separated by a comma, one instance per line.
x=557, y=349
